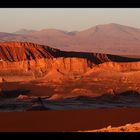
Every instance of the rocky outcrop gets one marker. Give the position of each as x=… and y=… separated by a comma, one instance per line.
x=125, y=128
x=19, y=51
x=75, y=65
x=42, y=66
x=25, y=58
x=121, y=66
x=22, y=97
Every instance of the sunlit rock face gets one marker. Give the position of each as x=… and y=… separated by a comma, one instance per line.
x=29, y=59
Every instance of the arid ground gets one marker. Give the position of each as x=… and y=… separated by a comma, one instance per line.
x=67, y=120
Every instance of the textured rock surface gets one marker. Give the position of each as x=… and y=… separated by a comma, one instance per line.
x=126, y=128
x=18, y=51
x=29, y=59
x=22, y=97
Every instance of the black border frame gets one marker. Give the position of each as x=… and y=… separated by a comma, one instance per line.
x=69, y=3
x=70, y=135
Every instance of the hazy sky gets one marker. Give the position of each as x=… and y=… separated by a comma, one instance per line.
x=69, y=19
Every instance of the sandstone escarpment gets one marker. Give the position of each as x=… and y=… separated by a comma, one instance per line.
x=40, y=67
x=75, y=65
x=29, y=59
x=19, y=51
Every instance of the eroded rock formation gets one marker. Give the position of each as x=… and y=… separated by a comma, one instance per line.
x=25, y=58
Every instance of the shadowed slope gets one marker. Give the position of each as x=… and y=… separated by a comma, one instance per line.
x=19, y=51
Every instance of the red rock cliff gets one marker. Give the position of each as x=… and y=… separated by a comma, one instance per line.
x=24, y=57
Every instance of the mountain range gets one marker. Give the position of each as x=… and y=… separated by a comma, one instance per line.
x=108, y=38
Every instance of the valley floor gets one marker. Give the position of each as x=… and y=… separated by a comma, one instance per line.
x=67, y=120
x=76, y=103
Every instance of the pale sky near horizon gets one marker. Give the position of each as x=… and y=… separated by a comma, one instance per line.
x=69, y=19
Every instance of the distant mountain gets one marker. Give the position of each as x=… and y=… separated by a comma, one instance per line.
x=3, y=34
x=108, y=38
x=24, y=31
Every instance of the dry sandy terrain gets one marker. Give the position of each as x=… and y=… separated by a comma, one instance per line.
x=66, y=120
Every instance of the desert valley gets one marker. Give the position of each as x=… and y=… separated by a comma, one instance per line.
x=56, y=71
